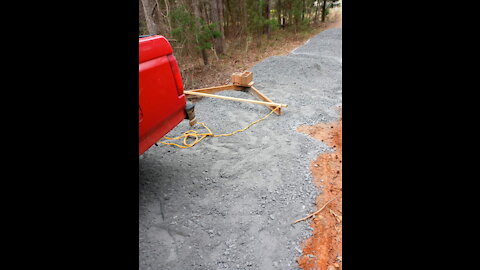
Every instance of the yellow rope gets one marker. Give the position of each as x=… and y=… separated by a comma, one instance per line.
x=200, y=136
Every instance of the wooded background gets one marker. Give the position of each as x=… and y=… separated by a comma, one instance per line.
x=199, y=28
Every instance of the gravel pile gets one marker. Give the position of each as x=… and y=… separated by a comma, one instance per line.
x=229, y=202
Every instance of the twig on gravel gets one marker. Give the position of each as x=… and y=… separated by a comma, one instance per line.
x=314, y=213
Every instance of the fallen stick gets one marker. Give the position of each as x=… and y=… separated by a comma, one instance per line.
x=235, y=99
x=314, y=213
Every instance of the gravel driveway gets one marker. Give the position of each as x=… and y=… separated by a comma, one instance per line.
x=229, y=202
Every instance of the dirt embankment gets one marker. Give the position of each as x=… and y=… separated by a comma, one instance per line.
x=324, y=249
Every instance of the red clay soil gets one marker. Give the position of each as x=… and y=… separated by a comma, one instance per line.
x=324, y=249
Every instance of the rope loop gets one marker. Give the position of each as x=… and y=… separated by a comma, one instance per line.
x=200, y=136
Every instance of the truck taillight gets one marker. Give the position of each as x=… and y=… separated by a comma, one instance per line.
x=176, y=73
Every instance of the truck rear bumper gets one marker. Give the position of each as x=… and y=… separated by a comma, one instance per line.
x=188, y=112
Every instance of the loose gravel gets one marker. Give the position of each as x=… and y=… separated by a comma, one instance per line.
x=229, y=202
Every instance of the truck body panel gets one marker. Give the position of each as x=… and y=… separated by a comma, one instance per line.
x=161, y=97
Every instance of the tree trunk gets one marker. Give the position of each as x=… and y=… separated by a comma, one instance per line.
x=303, y=10
x=243, y=16
x=141, y=19
x=315, y=19
x=261, y=29
x=290, y=16
x=216, y=19
x=266, y=15
x=230, y=19
x=222, y=21
x=324, y=10
x=167, y=15
x=205, y=57
x=279, y=12
x=196, y=12
x=205, y=13
x=148, y=12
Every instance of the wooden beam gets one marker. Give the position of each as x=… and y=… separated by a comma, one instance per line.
x=236, y=99
x=214, y=89
x=254, y=91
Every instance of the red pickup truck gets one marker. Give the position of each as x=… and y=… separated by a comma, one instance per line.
x=162, y=101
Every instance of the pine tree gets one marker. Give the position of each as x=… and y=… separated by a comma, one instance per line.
x=327, y=4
